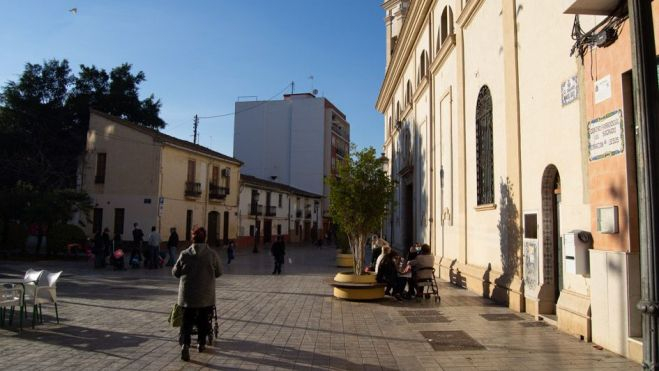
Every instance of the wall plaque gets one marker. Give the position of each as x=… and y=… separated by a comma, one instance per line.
x=605, y=136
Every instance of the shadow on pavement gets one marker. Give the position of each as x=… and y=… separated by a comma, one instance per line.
x=282, y=357
x=86, y=339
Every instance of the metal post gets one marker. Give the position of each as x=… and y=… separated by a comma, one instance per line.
x=644, y=75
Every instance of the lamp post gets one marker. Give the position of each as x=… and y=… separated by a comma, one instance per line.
x=257, y=227
x=644, y=76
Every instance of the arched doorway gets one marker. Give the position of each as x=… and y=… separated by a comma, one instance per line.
x=213, y=223
x=551, y=232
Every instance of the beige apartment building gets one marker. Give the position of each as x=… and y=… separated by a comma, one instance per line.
x=139, y=175
x=488, y=125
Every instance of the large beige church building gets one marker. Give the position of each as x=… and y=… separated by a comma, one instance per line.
x=509, y=137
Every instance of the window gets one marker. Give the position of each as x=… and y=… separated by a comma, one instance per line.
x=119, y=220
x=445, y=26
x=100, y=168
x=408, y=93
x=281, y=198
x=484, y=148
x=191, y=170
x=226, y=173
x=423, y=65
x=251, y=231
x=215, y=177
x=531, y=225
x=397, y=113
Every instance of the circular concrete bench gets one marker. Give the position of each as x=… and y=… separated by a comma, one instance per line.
x=351, y=287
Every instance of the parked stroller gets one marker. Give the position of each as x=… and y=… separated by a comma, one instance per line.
x=215, y=328
x=430, y=286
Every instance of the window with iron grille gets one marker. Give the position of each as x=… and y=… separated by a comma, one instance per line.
x=484, y=148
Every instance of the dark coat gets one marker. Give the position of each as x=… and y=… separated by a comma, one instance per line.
x=278, y=250
x=197, y=267
x=173, y=239
x=387, y=272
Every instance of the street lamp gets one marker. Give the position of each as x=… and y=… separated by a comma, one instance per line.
x=255, y=206
x=385, y=162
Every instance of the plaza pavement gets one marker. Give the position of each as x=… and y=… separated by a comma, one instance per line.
x=118, y=320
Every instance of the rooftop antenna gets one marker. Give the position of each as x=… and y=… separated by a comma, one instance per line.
x=292, y=87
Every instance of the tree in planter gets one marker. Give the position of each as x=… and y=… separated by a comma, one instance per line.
x=359, y=196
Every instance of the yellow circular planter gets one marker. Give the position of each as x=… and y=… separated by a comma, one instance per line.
x=344, y=260
x=351, y=287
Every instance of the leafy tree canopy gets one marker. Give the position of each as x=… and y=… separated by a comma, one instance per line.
x=359, y=197
x=44, y=117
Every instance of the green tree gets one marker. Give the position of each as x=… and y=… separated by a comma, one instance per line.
x=44, y=117
x=359, y=197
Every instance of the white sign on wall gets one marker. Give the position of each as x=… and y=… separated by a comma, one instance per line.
x=569, y=90
x=605, y=136
x=603, y=89
x=531, y=271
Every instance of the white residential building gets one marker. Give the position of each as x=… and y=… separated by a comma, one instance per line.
x=296, y=141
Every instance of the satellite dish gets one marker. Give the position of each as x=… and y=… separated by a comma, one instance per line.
x=314, y=92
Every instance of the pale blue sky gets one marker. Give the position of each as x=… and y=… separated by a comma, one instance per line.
x=200, y=56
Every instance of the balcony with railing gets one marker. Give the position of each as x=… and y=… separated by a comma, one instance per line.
x=215, y=192
x=192, y=189
x=255, y=209
x=271, y=211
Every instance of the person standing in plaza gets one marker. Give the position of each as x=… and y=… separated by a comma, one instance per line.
x=136, y=252
x=278, y=251
x=197, y=268
x=154, y=248
x=107, y=243
x=172, y=246
x=99, y=250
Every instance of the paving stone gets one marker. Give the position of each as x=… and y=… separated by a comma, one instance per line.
x=117, y=320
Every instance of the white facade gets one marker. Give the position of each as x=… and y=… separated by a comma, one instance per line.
x=295, y=141
x=268, y=209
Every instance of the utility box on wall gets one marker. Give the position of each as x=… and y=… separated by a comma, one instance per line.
x=575, y=252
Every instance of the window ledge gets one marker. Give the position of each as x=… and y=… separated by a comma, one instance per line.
x=423, y=83
x=468, y=11
x=485, y=207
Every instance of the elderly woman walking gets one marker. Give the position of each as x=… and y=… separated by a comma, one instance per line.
x=197, y=268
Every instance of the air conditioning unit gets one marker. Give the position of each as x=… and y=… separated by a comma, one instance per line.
x=226, y=172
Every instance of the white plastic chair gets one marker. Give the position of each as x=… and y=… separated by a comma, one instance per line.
x=46, y=292
x=31, y=282
x=11, y=295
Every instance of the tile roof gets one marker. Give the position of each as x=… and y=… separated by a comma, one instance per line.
x=249, y=179
x=164, y=138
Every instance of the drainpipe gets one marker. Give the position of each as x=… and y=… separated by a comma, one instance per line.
x=644, y=75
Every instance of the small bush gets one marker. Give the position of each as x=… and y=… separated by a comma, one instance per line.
x=62, y=234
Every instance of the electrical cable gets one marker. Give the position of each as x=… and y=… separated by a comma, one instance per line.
x=250, y=108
